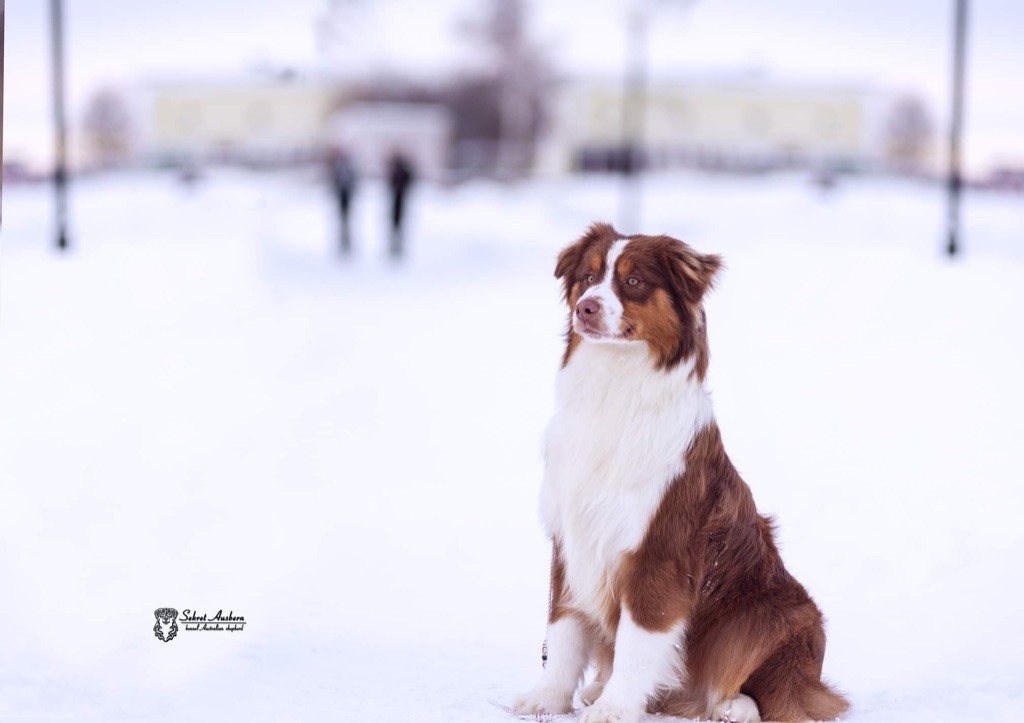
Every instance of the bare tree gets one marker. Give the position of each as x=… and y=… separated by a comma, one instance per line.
x=497, y=106
x=107, y=126
x=908, y=134
x=521, y=74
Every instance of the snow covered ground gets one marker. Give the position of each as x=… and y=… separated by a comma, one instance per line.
x=202, y=407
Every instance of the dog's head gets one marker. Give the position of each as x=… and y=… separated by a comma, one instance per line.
x=638, y=290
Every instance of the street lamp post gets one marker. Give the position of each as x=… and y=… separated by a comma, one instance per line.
x=60, y=172
x=634, y=102
x=1, y=108
x=955, y=179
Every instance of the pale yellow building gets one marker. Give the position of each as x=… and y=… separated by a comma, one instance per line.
x=271, y=119
x=704, y=122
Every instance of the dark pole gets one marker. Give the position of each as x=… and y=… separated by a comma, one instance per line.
x=1, y=108
x=955, y=180
x=60, y=170
x=634, y=100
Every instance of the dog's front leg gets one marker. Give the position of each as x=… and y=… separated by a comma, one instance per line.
x=646, y=660
x=569, y=648
x=655, y=605
x=569, y=645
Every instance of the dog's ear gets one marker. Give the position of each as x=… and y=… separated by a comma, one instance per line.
x=693, y=273
x=572, y=254
x=569, y=259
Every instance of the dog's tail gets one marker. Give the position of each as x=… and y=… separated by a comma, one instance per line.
x=819, y=701
x=681, y=702
x=811, y=701
x=805, y=698
x=788, y=685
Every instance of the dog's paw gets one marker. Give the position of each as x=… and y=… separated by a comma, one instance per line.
x=607, y=712
x=542, y=700
x=741, y=709
x=591, y=693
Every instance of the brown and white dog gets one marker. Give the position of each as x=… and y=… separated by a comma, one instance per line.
x=664, y=575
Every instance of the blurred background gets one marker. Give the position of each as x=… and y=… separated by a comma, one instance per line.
x=278, y=333
x=510, y=90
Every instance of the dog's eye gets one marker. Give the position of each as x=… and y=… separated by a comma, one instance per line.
x=589, y=278
x=634, y=281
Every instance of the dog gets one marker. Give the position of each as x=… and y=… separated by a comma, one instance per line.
x=664, y=577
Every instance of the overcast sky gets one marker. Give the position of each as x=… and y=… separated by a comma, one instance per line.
x=895, y=44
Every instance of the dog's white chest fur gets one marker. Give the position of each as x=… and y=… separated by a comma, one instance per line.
x=618, y=437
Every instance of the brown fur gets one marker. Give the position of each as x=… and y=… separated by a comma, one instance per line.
x=752, y=628
x=708, y=557
x=556, y=607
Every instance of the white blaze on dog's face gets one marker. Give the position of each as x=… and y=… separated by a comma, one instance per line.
x=637, y=289
x=598, y=313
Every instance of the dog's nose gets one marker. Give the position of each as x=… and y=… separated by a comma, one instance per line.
x=587, y=308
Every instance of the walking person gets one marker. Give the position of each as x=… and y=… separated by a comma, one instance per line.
x=343, y=183
x=400, y=178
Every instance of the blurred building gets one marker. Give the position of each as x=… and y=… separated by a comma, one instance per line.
x=269, y=120
x=371, y=132
x=454, y=129
x=281, y=120
x=728, y=124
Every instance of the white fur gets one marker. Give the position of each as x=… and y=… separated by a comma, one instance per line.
x=645, y=661
x=603, y=292
x=741, y=709
x=568, y=654
x=618, y=437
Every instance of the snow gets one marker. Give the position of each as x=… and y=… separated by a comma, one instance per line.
x=204, y=408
